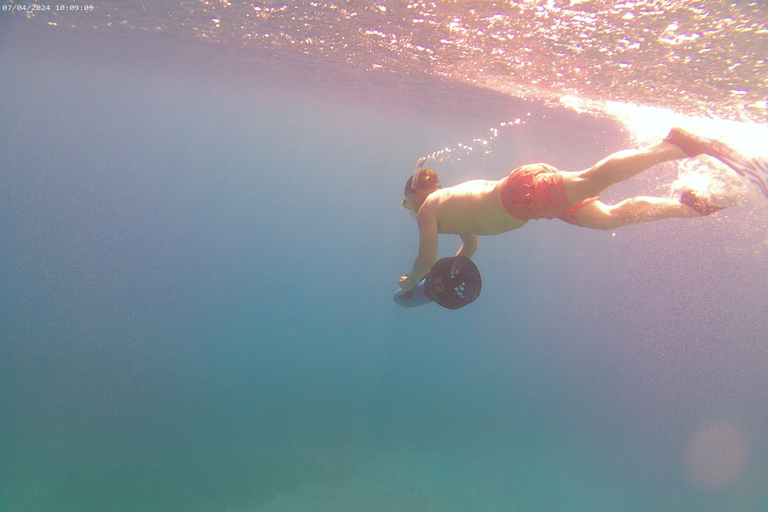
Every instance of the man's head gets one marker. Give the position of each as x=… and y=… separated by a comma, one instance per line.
x=426, y=183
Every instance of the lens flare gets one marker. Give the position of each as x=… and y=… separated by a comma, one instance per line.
x=715, y=455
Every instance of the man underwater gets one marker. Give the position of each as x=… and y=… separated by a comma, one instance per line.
x=539, y=191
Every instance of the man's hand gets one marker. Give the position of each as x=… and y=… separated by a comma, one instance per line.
x=406, y=283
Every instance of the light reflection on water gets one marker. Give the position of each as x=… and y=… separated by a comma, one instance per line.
x=699, y=58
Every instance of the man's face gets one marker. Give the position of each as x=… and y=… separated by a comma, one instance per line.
x=410, y=202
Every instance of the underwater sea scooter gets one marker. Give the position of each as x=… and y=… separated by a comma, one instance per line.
x=451, y=282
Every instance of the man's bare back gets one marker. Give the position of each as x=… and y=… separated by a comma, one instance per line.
x=473, y=207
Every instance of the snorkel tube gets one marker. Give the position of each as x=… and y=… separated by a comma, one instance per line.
x=415, y=177
x=414, y=182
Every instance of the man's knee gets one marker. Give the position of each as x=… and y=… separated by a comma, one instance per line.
x=598, y=215
x=624, y=213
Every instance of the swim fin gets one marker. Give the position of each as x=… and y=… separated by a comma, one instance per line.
x=755, y=169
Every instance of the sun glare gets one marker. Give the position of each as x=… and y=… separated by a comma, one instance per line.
x=650, y=124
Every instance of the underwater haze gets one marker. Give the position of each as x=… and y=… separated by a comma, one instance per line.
x=201, y=236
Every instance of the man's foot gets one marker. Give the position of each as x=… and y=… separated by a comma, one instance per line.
x=693, y=145
x=701, y=205
x=756, y=169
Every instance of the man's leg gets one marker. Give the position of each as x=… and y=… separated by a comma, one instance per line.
x=598, y=215
x=615, y=168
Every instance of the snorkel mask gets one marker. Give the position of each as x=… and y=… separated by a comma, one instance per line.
x=414, y=182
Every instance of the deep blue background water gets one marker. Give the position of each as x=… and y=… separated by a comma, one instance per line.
x=199, y=250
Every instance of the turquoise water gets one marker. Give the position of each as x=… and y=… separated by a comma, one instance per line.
x=199, y=251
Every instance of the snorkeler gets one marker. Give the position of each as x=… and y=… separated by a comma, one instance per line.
x=539, y=191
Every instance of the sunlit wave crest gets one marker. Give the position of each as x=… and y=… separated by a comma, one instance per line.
x=700, y=58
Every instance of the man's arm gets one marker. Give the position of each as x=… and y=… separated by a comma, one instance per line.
x=468, y=245
x=427, y=222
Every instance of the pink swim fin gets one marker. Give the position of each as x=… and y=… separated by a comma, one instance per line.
x=755, y=169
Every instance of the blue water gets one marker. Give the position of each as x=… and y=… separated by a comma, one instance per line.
x=199, y=250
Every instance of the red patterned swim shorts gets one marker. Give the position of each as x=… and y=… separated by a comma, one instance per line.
x=536, y=191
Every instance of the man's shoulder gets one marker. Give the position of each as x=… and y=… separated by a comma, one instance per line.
x=431, y=204
x=473, y=188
